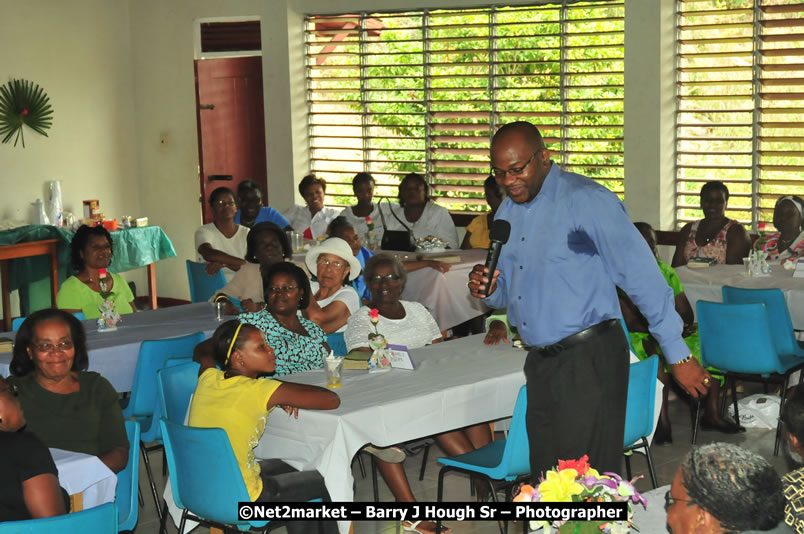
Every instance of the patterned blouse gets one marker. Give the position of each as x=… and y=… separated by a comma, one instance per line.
x=716, y=248
x=295, y=353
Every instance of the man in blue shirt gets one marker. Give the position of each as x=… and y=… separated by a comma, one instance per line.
x=571, y=245
x=251, y=212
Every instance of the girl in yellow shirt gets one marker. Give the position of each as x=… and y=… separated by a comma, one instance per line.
x=236, y=399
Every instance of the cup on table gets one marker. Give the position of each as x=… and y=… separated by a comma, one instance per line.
x=333, y=366
x=747, y=264
x=218, y=309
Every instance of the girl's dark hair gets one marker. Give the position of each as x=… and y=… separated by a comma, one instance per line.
x=362, y=178
x=222, y=339
x=414, y=176
x=21, y=362
x=265, y=226
x=296, y=272
x=213, y=197
x=248, y=185
x=80, y=240
x=338, y=225
x=715, y=185
x=309, y=180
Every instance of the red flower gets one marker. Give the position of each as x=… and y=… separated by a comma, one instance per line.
x=24, y=111
x=374, y=315
x=581, y=465
x=368, y=219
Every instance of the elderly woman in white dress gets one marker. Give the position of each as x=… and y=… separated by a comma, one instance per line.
x=334, y=300
x=409, y=324
x=312, y=219
x=418, y=213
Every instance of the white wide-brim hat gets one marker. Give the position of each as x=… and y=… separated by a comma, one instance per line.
x=337, y=247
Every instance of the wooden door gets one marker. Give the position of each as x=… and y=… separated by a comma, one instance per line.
x=231, y=126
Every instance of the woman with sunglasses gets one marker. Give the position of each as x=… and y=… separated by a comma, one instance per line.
x=334, y=300
x=66, y=406
x=29, y=481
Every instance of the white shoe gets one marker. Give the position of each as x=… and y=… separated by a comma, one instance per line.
x=392, y=455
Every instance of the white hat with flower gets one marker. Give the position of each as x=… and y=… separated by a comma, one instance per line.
x=337, y=247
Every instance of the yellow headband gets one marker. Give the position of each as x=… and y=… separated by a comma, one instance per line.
x=234, y=338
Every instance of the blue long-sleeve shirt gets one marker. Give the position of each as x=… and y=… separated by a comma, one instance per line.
x=568, y=249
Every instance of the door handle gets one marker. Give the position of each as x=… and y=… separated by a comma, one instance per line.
x=207, y=106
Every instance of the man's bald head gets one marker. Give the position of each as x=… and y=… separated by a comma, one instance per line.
x=522, y=130
x=519, y=161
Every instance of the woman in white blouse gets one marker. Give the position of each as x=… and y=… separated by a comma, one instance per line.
x=312, y=219
x=409, y=324
x=418, y=212
x=334, y=301
x=222, y=243
x=365, y=210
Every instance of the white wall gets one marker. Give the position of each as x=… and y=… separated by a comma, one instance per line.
x=79, y=52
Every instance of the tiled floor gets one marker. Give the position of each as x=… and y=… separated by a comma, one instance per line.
x=666, y=459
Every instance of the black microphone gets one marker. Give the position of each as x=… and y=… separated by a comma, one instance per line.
x=499, y=233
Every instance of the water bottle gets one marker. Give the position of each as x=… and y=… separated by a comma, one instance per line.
x=55, y=205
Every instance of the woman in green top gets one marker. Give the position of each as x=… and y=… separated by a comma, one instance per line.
x=91, y=254
x=66, y=407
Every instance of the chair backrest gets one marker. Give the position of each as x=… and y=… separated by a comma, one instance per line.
x=176, y=385
x=98, y=520
x=128, y=481
x=337, y=343
x=204, y=475
x=17, y=322
x=202, y=285
x=516, y=455
x=641, y=399
x=152, y=357
x=781, y=325
x=737, y=338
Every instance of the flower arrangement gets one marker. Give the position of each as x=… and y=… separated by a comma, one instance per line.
x=379, y=359
x=110, y=317
x=577, y=481
x=371, y=238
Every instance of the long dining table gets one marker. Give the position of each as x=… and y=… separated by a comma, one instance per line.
x=455, y=384
x=114, y=354
x=707, y=284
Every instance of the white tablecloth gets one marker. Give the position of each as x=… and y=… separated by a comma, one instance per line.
x=446, y=294
x=706, y=284
x=114, y=354
x=84, y=473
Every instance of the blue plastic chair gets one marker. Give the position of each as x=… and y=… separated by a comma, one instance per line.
x=337, y=343
x=176, y=385
x=781, y=325
x=128, y=482
x=204, y=476
x=17, y=322
x=202, y=285
x=504, y=459
x=639, y=410
x=737, y=339
x=142, y=405
x=98, y=520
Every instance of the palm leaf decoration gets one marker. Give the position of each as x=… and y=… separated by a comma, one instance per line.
x=23, y=103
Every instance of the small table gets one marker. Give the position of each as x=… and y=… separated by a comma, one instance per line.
x=44, y=247
x=88, y=481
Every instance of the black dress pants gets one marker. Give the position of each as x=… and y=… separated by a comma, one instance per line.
x=282, y=483
x=576, y=403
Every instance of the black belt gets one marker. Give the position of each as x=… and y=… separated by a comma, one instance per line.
x=587, y=334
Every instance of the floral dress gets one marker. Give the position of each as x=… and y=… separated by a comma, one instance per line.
x=716, y=248
x=294, y=352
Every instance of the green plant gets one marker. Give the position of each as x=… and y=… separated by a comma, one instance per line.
x=23, y=103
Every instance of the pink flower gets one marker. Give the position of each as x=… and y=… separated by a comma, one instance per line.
x=374, y=315
x=24, y=111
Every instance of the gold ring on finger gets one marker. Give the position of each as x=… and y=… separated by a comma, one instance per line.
x=706, y=381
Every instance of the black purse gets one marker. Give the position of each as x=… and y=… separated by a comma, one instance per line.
x=401, y=240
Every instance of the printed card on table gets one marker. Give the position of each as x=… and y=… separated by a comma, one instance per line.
x=400, y=357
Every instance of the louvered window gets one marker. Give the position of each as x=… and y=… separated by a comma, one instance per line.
x=740, y=112
x=423, y=91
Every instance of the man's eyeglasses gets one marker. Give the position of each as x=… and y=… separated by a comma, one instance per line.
x=669, y=500
x=516, y=171
x=11, y=388
x=283, y=289
x=376, y=279
x=325, y=262
x=49, y=347
x=226, y=203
